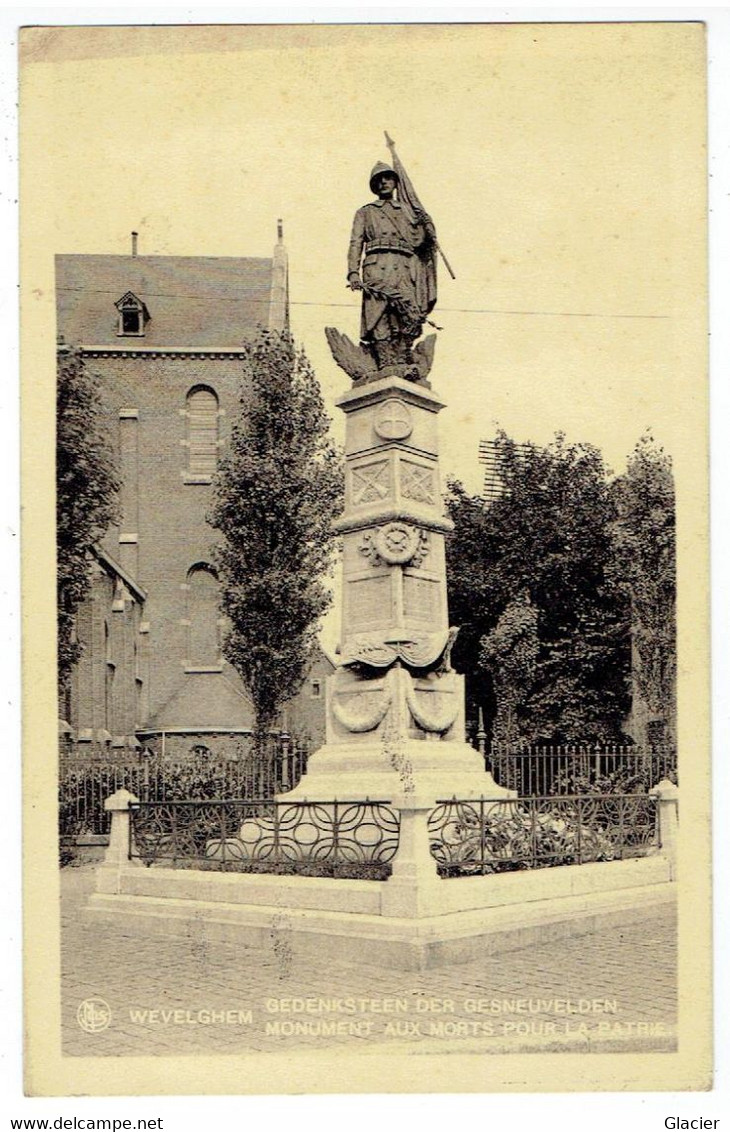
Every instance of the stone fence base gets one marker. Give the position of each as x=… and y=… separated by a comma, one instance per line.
x=348, y=919
x=413, y=920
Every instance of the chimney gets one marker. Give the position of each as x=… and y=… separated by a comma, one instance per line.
x=134, y=242
x=279, y=299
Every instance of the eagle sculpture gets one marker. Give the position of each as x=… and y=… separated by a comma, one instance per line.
x=359, y=364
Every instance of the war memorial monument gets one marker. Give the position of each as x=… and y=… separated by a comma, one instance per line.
x=395, y=789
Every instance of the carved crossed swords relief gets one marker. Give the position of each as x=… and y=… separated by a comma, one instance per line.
x=370, y=483
x=417, y=483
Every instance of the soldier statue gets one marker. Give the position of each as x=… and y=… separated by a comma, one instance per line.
x=392, y=261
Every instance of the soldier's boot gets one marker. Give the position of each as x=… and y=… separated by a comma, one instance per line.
x=412, y=372
x=384, y=353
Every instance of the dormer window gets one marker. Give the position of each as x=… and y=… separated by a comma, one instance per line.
x=131, y=322
x=133, y=316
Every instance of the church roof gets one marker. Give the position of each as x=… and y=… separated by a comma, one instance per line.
x=207, y=701
x=194, y=301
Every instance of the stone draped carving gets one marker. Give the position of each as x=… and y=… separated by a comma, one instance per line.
x=382, y=649
x=363, y=710
x=433, y=702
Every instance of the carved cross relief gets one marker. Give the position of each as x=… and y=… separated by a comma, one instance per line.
x=393, y=420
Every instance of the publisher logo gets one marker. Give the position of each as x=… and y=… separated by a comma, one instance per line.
x=93, y=1015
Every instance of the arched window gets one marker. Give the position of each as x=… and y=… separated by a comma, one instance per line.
x=202, y=416
x=204, y=649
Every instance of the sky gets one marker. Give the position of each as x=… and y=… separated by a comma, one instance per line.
x=563, y=166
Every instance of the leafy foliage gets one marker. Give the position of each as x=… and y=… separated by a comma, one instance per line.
x=623, y=780
x=86, y=493
x=521, y=835
x=278, y=488
x=84, y=788
x=510, y=652
x=645, y=564
x=549, y=534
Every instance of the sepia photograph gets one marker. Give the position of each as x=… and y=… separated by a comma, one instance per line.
x=366, y=563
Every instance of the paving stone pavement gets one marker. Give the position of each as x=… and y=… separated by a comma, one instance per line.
x=614, y=990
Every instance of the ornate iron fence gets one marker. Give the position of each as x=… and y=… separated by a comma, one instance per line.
x=541, y=770
x=483, y=835
x=84, y=785
x=331, y=838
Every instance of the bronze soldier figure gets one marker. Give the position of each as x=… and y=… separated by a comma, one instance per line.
x=392, y=260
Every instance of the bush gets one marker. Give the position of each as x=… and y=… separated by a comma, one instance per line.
x=621, y=781
x=82, y=791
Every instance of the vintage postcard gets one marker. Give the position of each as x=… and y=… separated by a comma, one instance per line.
x=367, y=720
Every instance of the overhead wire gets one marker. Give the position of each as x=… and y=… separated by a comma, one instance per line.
x=353, y=306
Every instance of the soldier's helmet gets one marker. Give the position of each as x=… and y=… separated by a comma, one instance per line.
x=378, y=171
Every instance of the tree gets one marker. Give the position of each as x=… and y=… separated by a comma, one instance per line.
x=278, y=488
x=86, y=495
x=645, y=563
x=509, y=653
x=549, y=533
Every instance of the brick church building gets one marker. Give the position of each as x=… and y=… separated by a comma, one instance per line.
x=164, y=335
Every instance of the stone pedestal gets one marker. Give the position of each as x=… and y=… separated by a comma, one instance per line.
x=117, y=860
x=667, y=794
x=395, y=709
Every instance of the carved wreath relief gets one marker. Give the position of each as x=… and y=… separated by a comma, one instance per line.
x=395, y=544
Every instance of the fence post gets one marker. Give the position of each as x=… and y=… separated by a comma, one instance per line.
x=286, y=775
x=482, y=738
x=667, y=795
x=414, y=869
x=116, y=859
x=597, y=762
